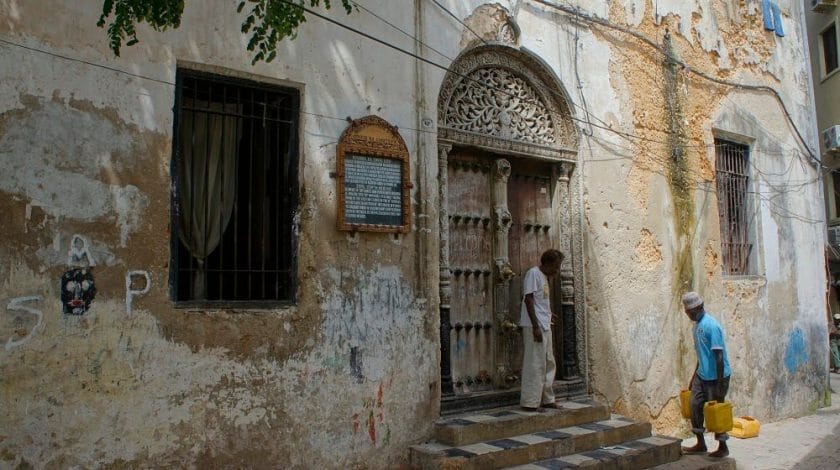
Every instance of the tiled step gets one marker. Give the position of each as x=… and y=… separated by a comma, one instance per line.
x=630, y=455
x=523, y=448
x=511, y=421
x=698, y=462
x=455, y=404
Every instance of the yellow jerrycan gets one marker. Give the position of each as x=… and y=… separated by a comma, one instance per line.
x=685, y=403
x=718, y=416
x=744, y=427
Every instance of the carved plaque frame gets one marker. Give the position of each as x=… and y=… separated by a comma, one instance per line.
x=374, y=138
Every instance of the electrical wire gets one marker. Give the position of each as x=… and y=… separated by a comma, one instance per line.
x=592, y=19
x=93, y=64
x=587, y=113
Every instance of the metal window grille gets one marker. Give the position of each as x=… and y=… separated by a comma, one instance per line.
x=247, y=252
x=731, y=167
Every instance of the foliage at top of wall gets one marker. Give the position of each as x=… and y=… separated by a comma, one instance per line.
x=268, y=22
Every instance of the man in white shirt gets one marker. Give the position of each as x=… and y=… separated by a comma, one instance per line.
x=538, y=365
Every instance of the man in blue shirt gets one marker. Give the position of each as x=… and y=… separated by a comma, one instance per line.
x=711, y=377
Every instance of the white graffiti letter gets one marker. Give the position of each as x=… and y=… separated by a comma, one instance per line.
x=79, y=249
x=131, y=293
x=17, y=305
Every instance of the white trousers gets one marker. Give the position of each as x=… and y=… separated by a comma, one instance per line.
x=538, y=369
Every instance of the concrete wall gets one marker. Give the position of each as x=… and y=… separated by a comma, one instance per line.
x=85, y=164
x=826, y=86
x=87, y=151
x=827, y=109
x=647, y=244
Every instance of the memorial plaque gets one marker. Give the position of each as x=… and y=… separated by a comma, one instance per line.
x=372, y=190
x=373, y=181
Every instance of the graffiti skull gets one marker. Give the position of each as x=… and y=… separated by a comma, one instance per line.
x=77, y=291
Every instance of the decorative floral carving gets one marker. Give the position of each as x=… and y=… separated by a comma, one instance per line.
x=497, y=102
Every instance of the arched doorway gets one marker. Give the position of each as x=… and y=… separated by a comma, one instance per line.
x=507, y=153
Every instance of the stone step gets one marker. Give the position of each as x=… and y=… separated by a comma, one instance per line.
x=455, y=404
x=698, y=462
x=510, y=421
x=630, y=455
x=518, y=449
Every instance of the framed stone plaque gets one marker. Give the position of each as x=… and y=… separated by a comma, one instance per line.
x=373, y=178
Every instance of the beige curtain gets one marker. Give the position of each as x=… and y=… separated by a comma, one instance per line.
x=207, y=189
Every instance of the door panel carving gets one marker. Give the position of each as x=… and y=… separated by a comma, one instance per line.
x=471, y=265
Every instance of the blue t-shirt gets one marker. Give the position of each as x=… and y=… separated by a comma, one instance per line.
x=708, y=336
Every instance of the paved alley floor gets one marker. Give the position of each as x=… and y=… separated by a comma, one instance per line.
x=808, y=443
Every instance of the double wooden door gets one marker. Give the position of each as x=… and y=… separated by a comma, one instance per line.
x=501, y=219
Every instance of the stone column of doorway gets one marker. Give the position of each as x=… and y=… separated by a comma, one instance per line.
x=445, y=287
x=569, y=364
x=506, y=330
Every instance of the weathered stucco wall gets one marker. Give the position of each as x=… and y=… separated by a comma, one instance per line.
x=349, y=376
x=647, y=244
x=86, y=151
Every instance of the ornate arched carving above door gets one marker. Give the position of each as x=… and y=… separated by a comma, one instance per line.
x=500, y=98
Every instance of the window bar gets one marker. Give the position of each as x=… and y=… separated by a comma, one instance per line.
x=190, y=171
x=744, y=202
x=235, y=214
x=208, y=144
x=285, y=224
x=739, y=199
x=264, y=212
x=727, y=167
x=740, y=217
x=177, y=166
x=250, y=221
x=284, y=261
x=279, y=207
x=733, y=195
x=222, y=186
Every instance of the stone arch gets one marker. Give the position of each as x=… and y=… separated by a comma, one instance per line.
x=524, y=111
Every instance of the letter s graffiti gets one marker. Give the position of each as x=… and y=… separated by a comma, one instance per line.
x=17, y=305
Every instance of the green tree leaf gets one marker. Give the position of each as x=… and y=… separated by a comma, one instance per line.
x=268, y=21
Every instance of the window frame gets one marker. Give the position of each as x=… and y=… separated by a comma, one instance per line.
x=220, y=75
x=821, y=39
x=749, y=207
x=832, y=208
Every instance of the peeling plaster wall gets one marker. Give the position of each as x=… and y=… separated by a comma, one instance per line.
x=639, y=341
x=348, y=377
x=640, y=346
x=135, y=382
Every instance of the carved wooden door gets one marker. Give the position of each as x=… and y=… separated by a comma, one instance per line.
x=471, y=263
x=532, y=231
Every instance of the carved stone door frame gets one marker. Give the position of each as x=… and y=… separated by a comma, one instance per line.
x=505, y=101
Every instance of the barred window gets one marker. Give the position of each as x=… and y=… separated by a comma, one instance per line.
x=732, y=179
x=235, y=191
